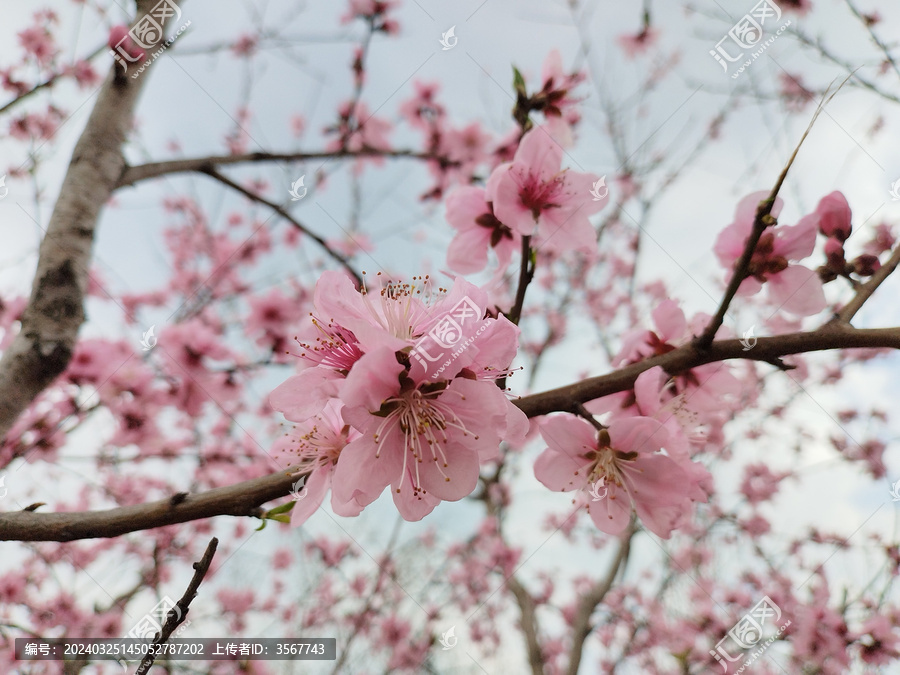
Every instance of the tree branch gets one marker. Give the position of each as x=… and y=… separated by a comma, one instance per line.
x=864, y=292
x=43, y=347
x=133, y=174
x=581, y=626
x=762, y=220
x=174, y=617
x=212, y=173
x=529, y=624
x=830, y=336
x=241, y=499
x=49, y=82
x=245, y=499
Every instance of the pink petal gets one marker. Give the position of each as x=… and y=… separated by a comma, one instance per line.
x=503, y=191
x=468, y=251
x=539, y=154
x=561, y=472
x=372, y=380
x=412, y=507
x=569, y=435
x=359, y=475
x=461, y=469
x=465, y=205
x=317, y=484
x=647, y=389
x=798, y=241
x=797, y=290
x=303, y=395
x=637, y=434
x=612, y=513
x=669, y=321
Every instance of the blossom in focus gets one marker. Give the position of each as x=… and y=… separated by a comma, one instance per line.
x=315, y=447
x=626, y=457
x=533, y=195
x=417, y=381
x=426, y=440
x=478, y=230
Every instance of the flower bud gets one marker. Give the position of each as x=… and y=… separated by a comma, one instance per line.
x=866, y=265
x=834, y=216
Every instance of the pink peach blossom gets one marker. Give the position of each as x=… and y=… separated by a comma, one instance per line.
x=625, y=460
x=791, y=287
x=315, y=447
x=533, y=195
x=478, y=231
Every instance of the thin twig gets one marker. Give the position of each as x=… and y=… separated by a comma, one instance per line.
x=178, y=613
x=864, y=291
x=581, y=625
x=133, y=174
x=762, y=220
x=212, y=173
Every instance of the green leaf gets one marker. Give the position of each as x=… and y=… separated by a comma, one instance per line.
x=278, y=510
x=279, y=513
x=519, y=82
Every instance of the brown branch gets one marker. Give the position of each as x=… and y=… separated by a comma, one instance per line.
x=864, y=291
x=182, y=607
x=529, y=624
x=212, y=173
x=132, y=174
x=246, y=498
x=43, y=347
x=830, y=336
x=581, y=625
x=241, y=499
x=526, y=274
x=761, y=221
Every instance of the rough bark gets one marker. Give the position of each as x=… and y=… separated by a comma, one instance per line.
x=55, y=311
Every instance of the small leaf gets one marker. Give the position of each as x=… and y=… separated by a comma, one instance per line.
x=518, y=82
x=278, y=510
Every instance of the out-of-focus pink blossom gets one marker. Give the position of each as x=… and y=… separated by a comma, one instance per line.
x=834, y=216
x=634, y=44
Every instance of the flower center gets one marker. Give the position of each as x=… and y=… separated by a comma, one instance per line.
x=426, y=423
x=336, y=347
x=537, y=194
